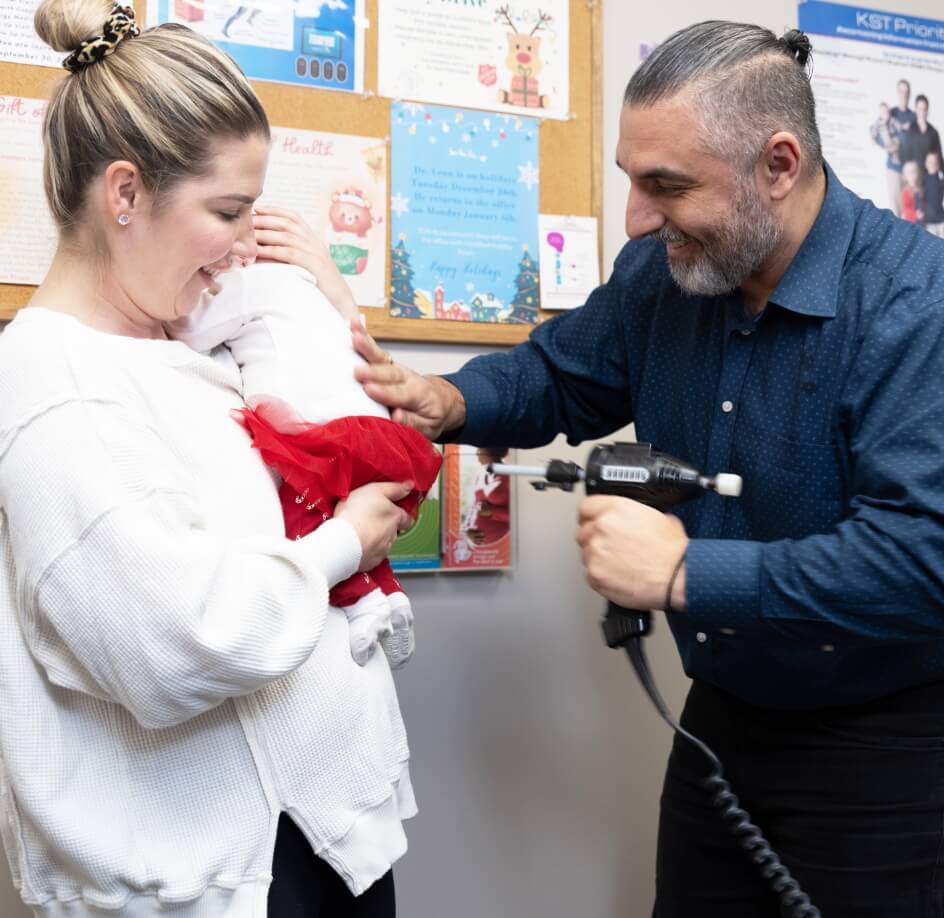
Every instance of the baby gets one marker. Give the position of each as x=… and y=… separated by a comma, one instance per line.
x=884, y=131
x=314, y=424
x=912, y=193
x=934, y=194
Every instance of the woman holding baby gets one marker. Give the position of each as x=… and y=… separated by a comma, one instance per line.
x=183, y=730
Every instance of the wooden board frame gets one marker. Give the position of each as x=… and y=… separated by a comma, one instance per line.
x=571, y=154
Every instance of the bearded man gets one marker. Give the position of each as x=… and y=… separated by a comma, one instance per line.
x=762, y=320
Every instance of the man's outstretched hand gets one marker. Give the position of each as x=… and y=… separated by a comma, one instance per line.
x=428, y=404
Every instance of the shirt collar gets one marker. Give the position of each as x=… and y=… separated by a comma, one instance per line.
x=811, y=284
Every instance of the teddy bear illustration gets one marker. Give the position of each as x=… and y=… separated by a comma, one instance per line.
x=350, y=222
x=524, y=62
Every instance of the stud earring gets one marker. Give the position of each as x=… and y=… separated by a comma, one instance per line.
x=124, y=219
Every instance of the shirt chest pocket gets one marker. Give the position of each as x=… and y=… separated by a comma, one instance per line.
x=792, y=489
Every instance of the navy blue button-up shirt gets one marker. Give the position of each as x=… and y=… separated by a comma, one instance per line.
x=823, y=583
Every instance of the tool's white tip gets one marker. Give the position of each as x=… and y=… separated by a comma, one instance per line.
x=728, y=485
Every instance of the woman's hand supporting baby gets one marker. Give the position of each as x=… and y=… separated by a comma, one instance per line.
x=377, y=520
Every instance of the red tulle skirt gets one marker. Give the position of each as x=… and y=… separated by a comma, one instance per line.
x=322, y=463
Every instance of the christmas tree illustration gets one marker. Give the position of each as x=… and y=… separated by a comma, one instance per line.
x=402, y=293
x=527, y=299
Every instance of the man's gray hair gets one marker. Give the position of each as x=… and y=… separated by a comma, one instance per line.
x=745, y=85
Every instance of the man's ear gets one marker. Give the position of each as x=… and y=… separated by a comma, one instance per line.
x=124, y=190
x=781, y=164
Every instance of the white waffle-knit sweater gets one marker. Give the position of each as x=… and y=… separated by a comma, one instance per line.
x=171, y=674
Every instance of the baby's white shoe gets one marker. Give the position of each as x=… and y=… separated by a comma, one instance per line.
x=400, y=643
x=369, y=620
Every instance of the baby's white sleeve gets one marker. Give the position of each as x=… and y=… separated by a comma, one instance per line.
x=218, y=317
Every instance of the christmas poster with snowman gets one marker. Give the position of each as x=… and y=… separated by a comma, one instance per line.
x=464, y=215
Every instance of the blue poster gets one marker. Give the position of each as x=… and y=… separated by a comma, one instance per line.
x=878, y=79
x=863, y=24
x=317, y=43
x=464, y=215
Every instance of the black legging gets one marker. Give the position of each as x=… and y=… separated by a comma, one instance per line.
x=305, y=886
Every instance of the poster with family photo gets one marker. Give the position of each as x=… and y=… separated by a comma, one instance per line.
x=878, y=79
x=503, y=56
x=316, y=43
x=338, y=183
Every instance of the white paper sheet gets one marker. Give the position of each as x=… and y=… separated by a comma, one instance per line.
x=338, y=183
x=504, y=57
x=27, y=234
x=19, y=43
x=570, y=260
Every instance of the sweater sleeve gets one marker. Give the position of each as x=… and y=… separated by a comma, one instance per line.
x=125, y=589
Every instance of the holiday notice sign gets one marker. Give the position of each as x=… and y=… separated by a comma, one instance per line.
x=511, y=57
x=464, y=215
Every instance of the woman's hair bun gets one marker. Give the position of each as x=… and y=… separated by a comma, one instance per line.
x=65, y=24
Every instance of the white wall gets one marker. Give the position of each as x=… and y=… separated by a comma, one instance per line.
x=536, y=758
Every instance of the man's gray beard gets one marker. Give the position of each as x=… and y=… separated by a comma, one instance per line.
x=734, y=251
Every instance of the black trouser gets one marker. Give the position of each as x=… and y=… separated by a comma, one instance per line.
x=305, y=886
x=852, y=799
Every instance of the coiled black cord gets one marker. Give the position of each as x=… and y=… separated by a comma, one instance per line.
x=793, y=900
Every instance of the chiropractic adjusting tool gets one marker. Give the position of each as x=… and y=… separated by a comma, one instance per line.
x=641, y=472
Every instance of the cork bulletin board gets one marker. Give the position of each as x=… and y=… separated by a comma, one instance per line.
x=571, y=153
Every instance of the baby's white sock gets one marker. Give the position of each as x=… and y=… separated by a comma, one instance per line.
x=369, y=620
x=400, y=643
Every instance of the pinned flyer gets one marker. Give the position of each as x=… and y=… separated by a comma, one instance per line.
x=569, y=258
x=313, y=43
x=28, y=235
x=477, y=510
x=509, y=57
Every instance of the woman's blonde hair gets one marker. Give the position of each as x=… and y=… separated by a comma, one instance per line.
x=159, y=101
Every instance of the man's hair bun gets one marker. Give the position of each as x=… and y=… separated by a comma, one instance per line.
x=798, y=45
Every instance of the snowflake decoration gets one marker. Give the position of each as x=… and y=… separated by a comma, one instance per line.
x=399, y=205
x=414, y=108
x=528, y=175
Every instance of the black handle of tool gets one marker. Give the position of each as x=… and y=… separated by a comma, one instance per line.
x=621, y=625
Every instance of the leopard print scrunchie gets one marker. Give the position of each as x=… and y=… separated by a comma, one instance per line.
x=118, y=26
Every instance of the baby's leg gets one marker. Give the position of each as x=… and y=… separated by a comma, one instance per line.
x=368, y=618
x=401, y=642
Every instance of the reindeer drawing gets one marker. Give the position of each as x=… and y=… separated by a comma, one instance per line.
x=524, y=62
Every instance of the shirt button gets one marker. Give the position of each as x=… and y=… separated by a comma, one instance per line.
x=746, y=331
x=727, y=407
x=701, y=637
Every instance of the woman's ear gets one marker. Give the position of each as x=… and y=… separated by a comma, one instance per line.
x=124, y=191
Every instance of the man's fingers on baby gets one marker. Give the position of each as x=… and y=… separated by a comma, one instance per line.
x=365, y=345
